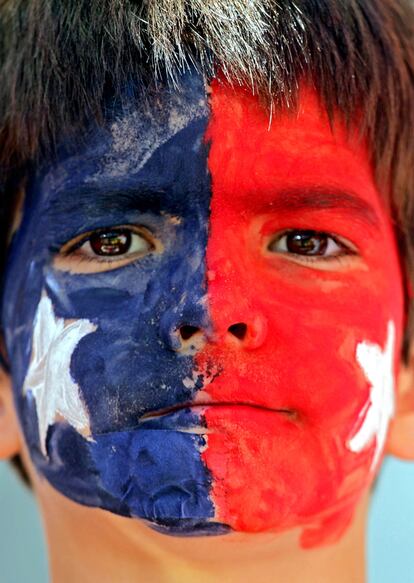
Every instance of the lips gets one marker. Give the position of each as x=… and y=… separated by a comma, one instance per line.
x=191, y=417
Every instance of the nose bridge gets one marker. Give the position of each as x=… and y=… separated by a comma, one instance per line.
x=186, y=317
x=228, y=299
x=226, y=250
x=234, y=313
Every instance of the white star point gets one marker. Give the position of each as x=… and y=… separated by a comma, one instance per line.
x=48, y=377
x=377, y=365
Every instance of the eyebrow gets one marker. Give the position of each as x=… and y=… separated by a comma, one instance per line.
x=125, y=197
x=322, y=198
x=97, y=198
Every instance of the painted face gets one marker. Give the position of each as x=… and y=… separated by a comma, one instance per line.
x=203, y=315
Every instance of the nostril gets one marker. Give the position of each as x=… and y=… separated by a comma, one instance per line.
x=238, y=330
x=186, y=332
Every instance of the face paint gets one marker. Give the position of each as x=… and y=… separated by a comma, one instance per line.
x=314, y=371
x=106, y=344
x=206, y=378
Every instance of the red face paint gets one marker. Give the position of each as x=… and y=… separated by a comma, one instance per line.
x=282, y=458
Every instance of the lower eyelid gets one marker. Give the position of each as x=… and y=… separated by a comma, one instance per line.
x=319, y=259
x=86, y=265
x=333, y=264
x=79, y=257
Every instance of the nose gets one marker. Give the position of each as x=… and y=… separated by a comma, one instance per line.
x=188, y=339
x=190, y=334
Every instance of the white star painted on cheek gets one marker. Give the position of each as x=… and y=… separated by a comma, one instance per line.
x=377, y=365
x=48, y=377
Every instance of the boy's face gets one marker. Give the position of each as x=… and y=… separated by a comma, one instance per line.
x=204, y=316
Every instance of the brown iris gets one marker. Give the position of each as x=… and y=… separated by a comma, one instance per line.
x=306, y=242
x=110, y=243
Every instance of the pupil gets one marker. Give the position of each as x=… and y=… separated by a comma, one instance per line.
x=111, y=243
x=306, y=243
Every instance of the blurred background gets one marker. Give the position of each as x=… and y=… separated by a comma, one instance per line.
x=390, y=535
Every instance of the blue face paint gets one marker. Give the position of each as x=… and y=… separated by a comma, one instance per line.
x=146, y=167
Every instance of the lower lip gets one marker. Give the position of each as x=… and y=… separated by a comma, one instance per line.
x=204, y=419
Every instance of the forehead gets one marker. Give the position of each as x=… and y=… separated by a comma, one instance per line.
x=143, y=126
x=134, y=130
x=151, y=144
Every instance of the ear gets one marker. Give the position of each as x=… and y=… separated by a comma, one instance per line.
x=400, y=442
x=9, y=427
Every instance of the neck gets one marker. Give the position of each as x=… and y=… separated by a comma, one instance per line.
x=91, y=545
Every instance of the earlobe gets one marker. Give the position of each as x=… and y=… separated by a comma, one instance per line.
x=9, y=428
x=400, y=442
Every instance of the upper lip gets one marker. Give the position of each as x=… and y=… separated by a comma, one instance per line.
x=186, y=405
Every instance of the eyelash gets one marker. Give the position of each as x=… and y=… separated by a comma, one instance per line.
x=343, y=255
x=71, y=249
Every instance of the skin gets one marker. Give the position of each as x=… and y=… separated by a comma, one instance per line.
x=259, y=447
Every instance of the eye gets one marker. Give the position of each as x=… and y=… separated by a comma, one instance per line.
x=114, y=243
x=310, y=245
x=105, y=249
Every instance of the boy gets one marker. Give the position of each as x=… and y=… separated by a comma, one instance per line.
x=206, y=292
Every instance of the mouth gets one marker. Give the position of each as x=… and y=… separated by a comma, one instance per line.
x=202, y=406
x=190, y=417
